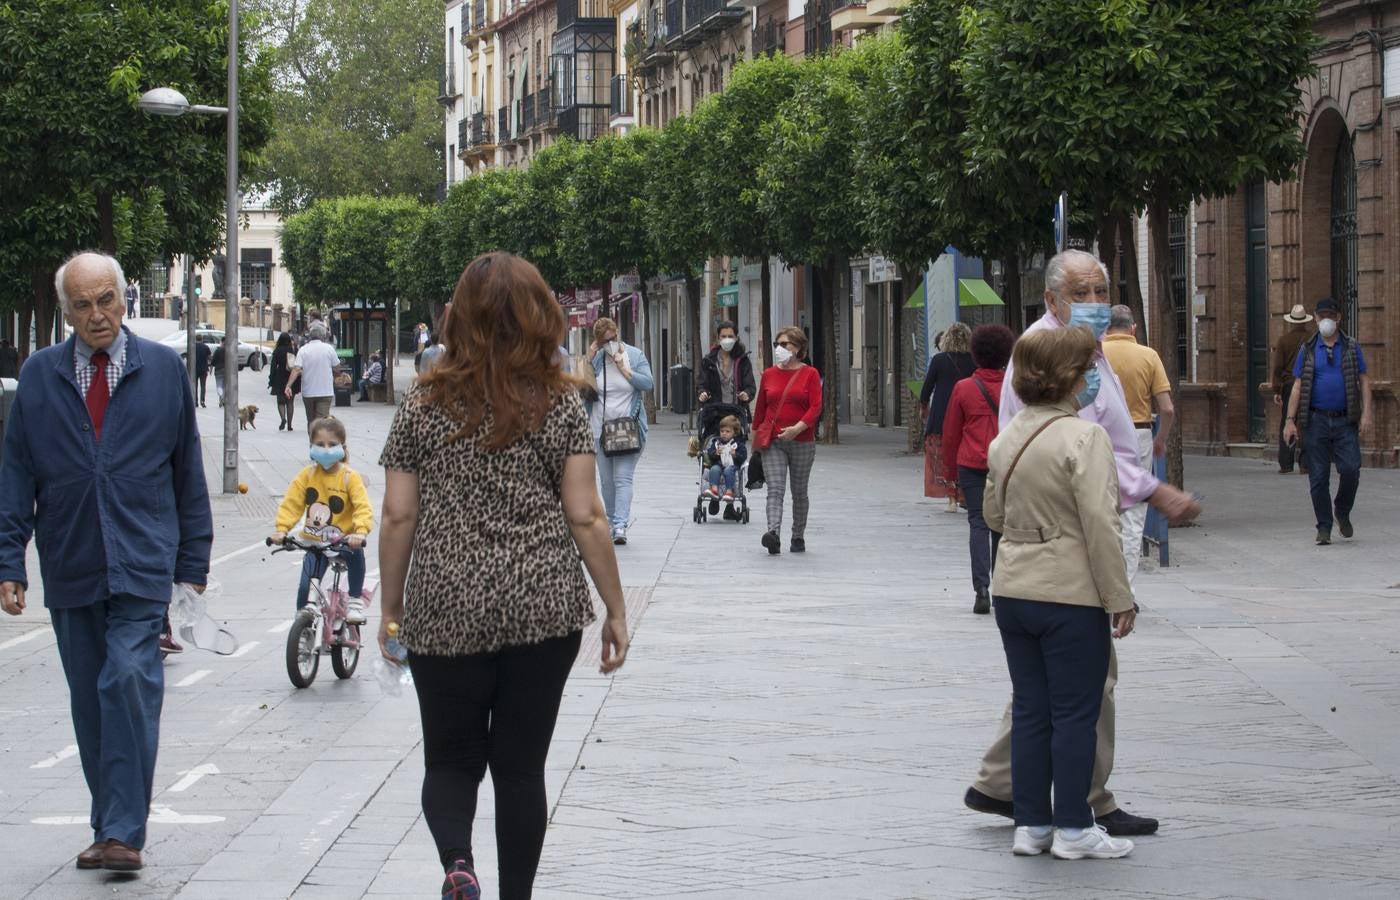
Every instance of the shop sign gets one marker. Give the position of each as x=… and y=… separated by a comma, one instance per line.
x=882, y=270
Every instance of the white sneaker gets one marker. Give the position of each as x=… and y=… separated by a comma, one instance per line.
x=1094, y=843
x=1033, y=840
x=355, y=611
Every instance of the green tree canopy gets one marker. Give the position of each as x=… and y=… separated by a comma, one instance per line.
x=356, y=106
x=604, y=230
x=81, y=166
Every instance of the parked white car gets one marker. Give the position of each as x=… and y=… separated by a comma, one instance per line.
x=250, y=356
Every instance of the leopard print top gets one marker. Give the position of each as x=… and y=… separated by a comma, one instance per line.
x=494, y=564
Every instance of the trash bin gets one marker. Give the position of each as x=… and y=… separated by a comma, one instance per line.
x=346, y=375
x=682, y=390
x=8, y=386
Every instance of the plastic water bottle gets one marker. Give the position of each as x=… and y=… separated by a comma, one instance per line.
x=393, y=677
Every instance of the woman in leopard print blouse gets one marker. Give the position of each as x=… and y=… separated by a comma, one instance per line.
x=490, y=499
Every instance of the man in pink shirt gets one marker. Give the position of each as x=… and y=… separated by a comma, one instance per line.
x=1076, y=293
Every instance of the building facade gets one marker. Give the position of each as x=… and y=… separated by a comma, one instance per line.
x=1241, y=262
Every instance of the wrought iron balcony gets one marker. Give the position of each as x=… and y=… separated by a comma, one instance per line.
x=447, y=86
x=771, y=37
x=480, y=131
x=816, y=30
x=621, y=96
x=503, y=124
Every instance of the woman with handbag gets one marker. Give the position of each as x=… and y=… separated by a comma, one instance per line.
x=1061, y=589
x=620, y=374
x=969, y=427
x=785, y=431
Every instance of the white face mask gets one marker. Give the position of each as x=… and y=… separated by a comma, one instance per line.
x=781, y=355
x=612, y=347
x=727, y=344
x=1327, y=327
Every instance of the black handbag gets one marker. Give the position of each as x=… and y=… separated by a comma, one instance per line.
x=622, y=435
x=755, y=472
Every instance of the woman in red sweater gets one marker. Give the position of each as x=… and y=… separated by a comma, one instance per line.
x=789, y=395
x=968, y=429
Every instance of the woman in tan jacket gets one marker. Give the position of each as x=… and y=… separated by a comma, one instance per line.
x=1060, y=588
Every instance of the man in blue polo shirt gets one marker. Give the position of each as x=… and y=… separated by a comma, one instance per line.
x=1331, y=405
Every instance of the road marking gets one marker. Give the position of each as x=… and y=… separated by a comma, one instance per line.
x=27, y=636
x=282, y=628
x=61, y=820
x=164, y=815
x=244, y=649
x=248, y=549
x=60, y=756
x=193, y=677
x=192, y=776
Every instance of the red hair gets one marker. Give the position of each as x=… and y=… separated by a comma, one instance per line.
x=501, y=336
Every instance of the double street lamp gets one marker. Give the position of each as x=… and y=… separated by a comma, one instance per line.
x=170, y=102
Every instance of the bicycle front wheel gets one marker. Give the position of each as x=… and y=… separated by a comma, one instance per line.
x=303, y=659
x=345, y=658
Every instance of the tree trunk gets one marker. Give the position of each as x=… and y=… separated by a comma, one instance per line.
x=829, y=431
x=25, y=314
x=45, y=304
x=1133, y=298
x=644, y=341
x=1015, y=310
x=1108, y=248
x=694, y=288
x=765, y=340
x=106, y=230
x=1158, y=229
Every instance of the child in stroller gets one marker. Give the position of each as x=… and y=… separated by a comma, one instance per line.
x=723, y=462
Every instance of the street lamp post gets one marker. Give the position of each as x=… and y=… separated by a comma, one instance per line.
x=170, y=102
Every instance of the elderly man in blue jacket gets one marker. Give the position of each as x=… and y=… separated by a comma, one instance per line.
x=102, y=466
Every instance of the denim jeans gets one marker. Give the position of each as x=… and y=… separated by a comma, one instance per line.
x=616, y=474
x=1058, y=657
x=727, y=474
x=314, y=565
x=981, y=540
x=116, y=681
x=1332, y=441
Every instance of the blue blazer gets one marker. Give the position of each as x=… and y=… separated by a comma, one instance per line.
x=128, y=515
x=642, y=380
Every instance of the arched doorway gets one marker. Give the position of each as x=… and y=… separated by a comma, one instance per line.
x=1343, y=218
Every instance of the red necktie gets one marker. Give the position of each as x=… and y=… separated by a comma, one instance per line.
x=98, y=394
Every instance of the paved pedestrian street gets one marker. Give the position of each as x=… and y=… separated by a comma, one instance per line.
x=787, y=727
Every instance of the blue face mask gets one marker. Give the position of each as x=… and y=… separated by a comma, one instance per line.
x=1085, y=398
x=327, y=457
x=1095, y=315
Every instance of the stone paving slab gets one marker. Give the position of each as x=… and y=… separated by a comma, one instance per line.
x=791, y=726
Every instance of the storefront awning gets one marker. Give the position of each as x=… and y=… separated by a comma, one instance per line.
x=976, y=292
x=727, y=296
x=917, y=300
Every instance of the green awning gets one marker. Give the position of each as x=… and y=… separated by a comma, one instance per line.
x=917, y=300
x=727, y=296
x=976, y=292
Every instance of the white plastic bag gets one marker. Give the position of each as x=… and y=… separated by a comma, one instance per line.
x=189, y=617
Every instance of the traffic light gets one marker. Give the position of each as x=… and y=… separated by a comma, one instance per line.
x=198, y=285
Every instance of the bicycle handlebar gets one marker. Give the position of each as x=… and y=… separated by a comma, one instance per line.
x=291, y=542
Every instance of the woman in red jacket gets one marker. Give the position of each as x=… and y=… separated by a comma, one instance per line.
x=790, y=395
x=968, y=429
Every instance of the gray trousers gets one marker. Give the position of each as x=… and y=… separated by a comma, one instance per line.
x=316, y=408
x=782, y=461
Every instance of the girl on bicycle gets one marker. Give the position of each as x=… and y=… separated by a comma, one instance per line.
x=331, y=497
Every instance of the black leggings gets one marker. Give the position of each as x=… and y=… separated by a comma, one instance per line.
x=497, y=710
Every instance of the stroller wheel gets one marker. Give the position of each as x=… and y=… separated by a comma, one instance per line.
x=746, y=515
x=695, y=515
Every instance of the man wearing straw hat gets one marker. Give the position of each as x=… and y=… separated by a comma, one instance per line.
x=1285, y=352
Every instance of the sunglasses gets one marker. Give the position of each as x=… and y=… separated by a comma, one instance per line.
x=788, y=344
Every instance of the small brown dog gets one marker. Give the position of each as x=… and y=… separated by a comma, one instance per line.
x=246, y=415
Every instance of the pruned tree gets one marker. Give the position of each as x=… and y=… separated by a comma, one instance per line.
x=1133, y=105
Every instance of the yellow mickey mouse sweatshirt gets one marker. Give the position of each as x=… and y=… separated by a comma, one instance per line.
x=334, y=504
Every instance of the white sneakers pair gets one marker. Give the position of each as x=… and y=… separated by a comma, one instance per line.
x=1064, y=843
x=355, y=611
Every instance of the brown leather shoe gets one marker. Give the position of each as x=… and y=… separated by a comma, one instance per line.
x=91, y=858
x=119, y=857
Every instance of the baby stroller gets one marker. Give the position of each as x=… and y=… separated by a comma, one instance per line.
x=736, y=510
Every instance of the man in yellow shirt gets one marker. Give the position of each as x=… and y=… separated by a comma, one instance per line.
x=1144, y=380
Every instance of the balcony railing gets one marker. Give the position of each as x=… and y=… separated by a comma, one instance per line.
x=688, y=22
x=771, y=37
x=816, y=30
x=466, y=27
x=481, y=130
x=584, y=123
x=621, y=90
x=503, y=124
x=447, y=86
x=464, y=134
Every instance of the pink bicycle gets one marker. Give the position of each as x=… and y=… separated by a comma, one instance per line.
x=321, y=622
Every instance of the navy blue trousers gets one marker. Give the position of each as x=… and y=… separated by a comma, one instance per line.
x=314, y=565
x=1058, y=657
x=1332, y=441
x=111, y=657
x=981, y=540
